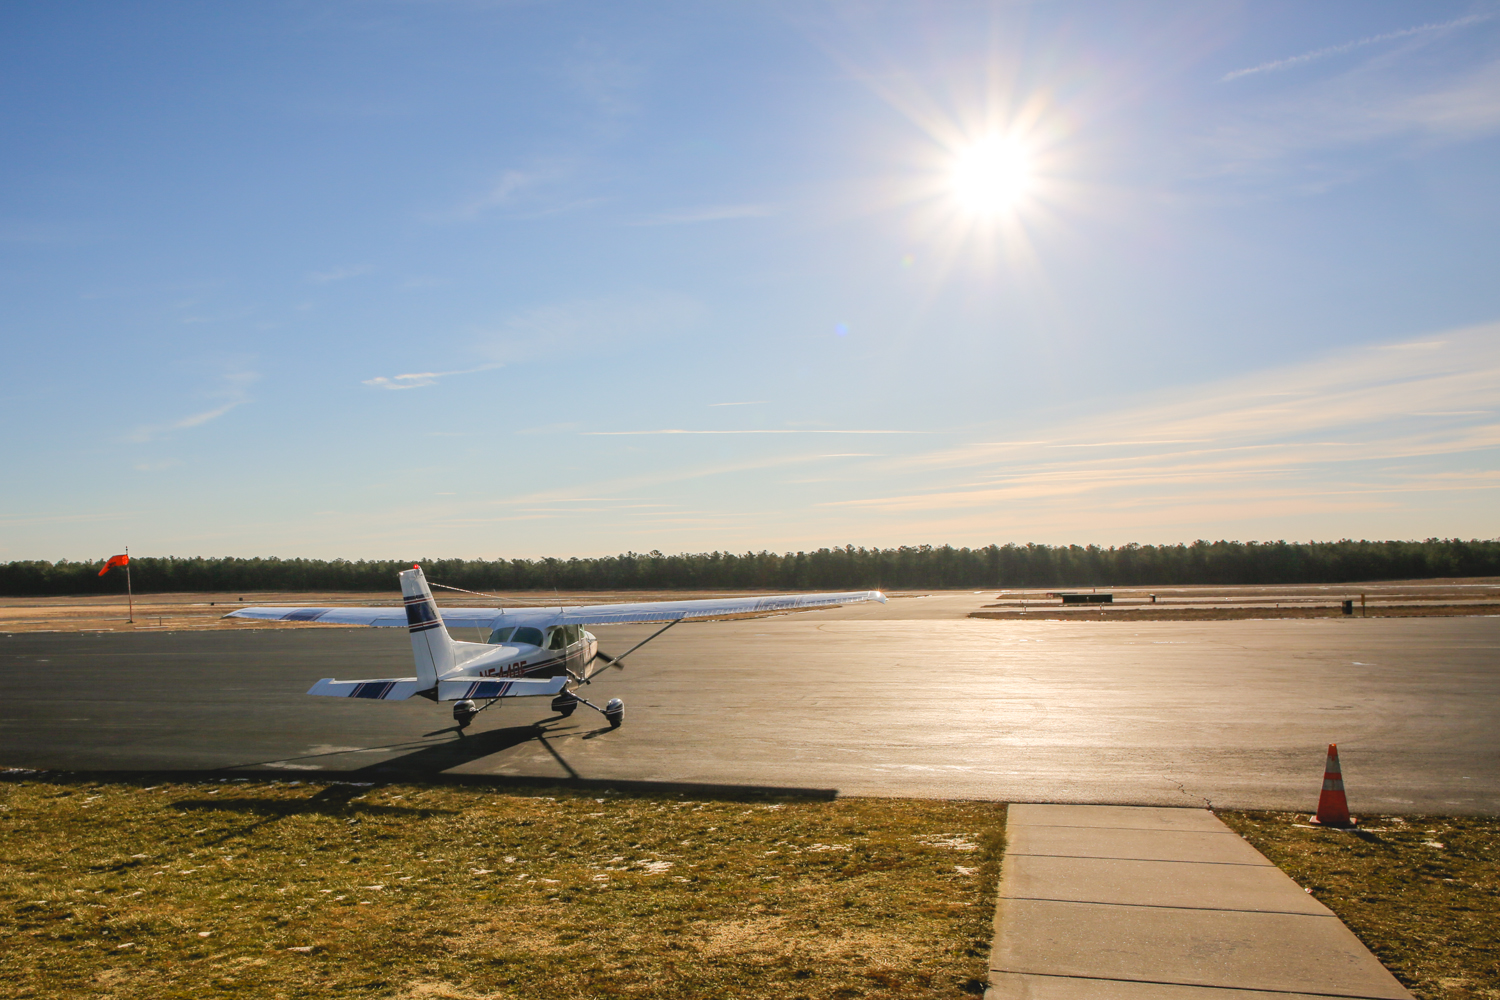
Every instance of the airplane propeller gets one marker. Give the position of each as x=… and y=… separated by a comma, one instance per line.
x=603, y=657
x=618, y=661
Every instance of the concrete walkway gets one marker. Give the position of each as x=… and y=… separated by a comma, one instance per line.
x=1127, y=903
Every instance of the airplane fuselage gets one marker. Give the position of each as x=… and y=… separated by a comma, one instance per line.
x=558, y=650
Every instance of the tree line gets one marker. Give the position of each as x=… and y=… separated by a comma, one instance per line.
x=847, y=568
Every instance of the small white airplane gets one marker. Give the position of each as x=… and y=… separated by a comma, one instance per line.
x=530, y=651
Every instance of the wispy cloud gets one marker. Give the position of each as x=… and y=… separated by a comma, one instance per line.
x=1276, y=65
x=594, y=327
x=513, y=192
x=748, y=402
x=42, y=232
x=150, y=432
x=783, y=431
x=417, y=380
x=626, y=489
x=1394, y=440
x=606, y=79
x=234, y=392
x=1322, y=133
x=336, y=274
x=1465, y=108
x=21, y=520
x=501, y=193
x=708, y=213
x=1344, y=426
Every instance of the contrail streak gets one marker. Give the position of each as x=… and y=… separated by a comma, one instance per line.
x=1334, y=50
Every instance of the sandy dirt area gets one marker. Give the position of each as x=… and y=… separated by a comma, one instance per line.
x=1386, y=599
x=177, y=612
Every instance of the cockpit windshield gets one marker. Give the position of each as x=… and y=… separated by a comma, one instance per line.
x=523, y=636
x=527, y=636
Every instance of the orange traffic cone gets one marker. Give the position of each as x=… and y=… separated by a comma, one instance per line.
x=1333, y=807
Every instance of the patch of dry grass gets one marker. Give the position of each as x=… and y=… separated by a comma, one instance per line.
x=1422, y=892
x=275, y=889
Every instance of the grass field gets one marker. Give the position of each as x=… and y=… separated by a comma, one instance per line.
x=264, y=889
x=1422, y=892
x=285, y=889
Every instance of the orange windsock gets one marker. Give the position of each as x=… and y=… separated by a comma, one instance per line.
x=121, y=560
x=1333, y=807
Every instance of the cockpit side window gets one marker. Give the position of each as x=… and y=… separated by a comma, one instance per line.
x=500, y=635
x=563, y=636
x=528, y=636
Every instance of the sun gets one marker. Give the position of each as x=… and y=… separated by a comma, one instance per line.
x=991, y=176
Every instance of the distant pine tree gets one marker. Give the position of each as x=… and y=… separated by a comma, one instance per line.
x=847, y=568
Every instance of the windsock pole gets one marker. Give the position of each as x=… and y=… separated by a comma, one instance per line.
x=129, y=594
x=1333, y=806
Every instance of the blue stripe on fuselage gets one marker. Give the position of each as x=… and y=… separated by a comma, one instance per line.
x=573, y=660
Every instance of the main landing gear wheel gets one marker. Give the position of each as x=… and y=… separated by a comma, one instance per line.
x=463, y=713
x=564, y=703
x=614, y=712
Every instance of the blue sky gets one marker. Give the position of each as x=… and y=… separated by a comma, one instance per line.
x=392, y=278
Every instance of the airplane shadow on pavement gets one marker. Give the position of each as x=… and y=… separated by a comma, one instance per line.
x=425, y=760
x=436, y=758
x=423, y=757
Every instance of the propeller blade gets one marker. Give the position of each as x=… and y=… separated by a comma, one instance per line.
x=616, y=661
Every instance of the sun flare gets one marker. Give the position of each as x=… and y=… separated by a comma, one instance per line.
x=991, y=176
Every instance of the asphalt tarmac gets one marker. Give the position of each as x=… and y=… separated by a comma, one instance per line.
x=907, y=699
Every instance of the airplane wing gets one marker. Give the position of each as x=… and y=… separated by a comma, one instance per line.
x=665, y=611
x=391, y=617
x=594, y=614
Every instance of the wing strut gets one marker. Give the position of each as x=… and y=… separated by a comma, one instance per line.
x=614, y=661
